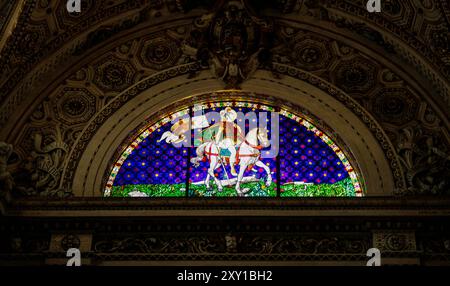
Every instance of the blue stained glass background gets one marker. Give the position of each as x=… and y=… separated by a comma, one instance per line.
x=303, y=157
x=154, y=163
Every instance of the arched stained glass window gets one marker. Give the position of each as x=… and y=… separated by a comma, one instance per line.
x=231, y=149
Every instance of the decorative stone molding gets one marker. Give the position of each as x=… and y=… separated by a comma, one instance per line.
x=61, y=242
x=262, y=241
x=394, y=241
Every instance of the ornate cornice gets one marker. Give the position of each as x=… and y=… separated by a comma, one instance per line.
x=418, y=233
x=232, y=207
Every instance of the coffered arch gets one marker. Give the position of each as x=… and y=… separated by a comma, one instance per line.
x=67, y=47
x=375, y=65
x=95, y=160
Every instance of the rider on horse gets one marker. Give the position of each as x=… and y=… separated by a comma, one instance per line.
x=226, y=134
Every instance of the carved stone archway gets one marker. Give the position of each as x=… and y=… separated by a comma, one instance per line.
x=321, y=43
x=74, y=88
x=170, y=95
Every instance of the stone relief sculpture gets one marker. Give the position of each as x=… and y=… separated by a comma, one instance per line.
x=6, y=180
x=232, y=41
x=426, y=163
x=47, y=162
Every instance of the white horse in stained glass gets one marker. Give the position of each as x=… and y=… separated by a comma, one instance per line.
x=247, y=155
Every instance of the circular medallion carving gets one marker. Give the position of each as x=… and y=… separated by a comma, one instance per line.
x=113, y=74
x=396, y=106
x=396, y=242
x=357, y=75
x=74, y=105
x=311, y=54
x=159, y=52
x=70, y=241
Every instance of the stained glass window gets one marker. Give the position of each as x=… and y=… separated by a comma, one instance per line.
x=228, y=149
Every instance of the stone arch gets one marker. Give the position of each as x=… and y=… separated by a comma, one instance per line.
x=65, y=58
x=96, y=152
x=410, y=74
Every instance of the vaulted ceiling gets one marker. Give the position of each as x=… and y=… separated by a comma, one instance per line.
x=59, y=71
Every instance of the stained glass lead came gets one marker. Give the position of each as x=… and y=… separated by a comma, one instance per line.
x=159, y=168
